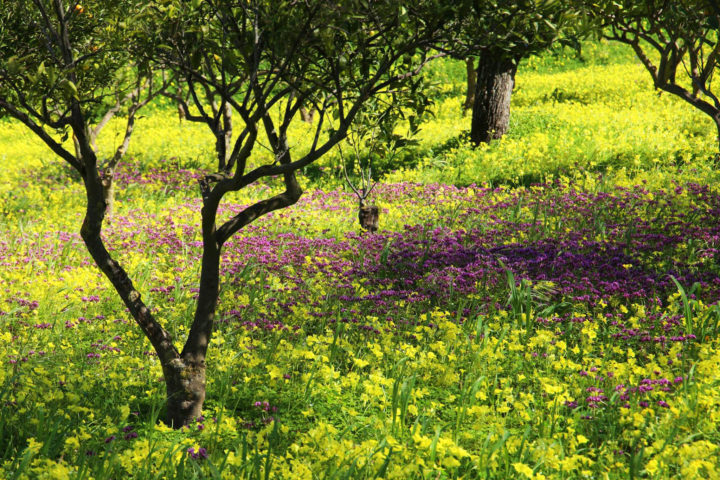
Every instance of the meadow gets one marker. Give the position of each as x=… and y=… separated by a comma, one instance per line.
x=542, y=307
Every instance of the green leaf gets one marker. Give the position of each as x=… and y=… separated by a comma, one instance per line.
x=69, y=88
x=13, y=65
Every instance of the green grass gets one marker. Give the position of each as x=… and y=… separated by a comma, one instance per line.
x=389, y=365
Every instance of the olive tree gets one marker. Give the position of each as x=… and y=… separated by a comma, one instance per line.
x=676, y=41
x=266, y=59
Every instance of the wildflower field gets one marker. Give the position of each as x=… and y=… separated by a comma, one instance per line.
x=543, y=307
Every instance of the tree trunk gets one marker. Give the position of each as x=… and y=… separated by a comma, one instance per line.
x=185, y=386
x=369, y=216
x=91, y=235
x=185, y=377
x=307, y=115
x=228, y=130
x=491, y=107
x=223, y=137
x=108, y=183
x=220, y=148
x=471, y=84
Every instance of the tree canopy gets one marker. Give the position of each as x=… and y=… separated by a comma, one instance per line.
x=499, y=34
x=263, y=59
x=676, y=41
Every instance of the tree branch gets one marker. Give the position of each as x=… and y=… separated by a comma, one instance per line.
x=44, y=136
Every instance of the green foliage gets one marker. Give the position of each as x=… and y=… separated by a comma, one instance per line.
x=428, y=387
x=453, y=391
x=682, y=37
x=36, y=71
x=514, y=30
x=570, y=117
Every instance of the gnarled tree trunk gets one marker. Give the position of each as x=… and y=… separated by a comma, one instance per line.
x=185, y=376
x=491, y=106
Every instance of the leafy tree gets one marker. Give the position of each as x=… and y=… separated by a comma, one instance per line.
x=265, y=58
x=63, y=67
x=210, y=109
x=676, y=41
x=499, y=35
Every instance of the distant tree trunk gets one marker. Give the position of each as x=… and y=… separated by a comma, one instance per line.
x=491, y=107
x=108, y=173
x=369, y=216
x=227, y=124
x=471, y=84
x=108, y=183
x=307, y=115
x=223, y=137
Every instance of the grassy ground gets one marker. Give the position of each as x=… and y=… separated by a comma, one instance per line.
x=544, y=307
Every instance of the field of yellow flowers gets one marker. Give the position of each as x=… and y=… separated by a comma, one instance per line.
x=543, y=307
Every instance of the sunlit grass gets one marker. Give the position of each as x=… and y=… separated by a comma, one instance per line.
x=501, y=330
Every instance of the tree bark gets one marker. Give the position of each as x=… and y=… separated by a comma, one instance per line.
x=185, y=386
x=491, y=106
x=220, y=148
x=228, y=129
x=471, y=84
x=91, y=234
x=369, y=217
x=108, y=183
x=223, y=136
x=307, y=115
x=185, y=376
